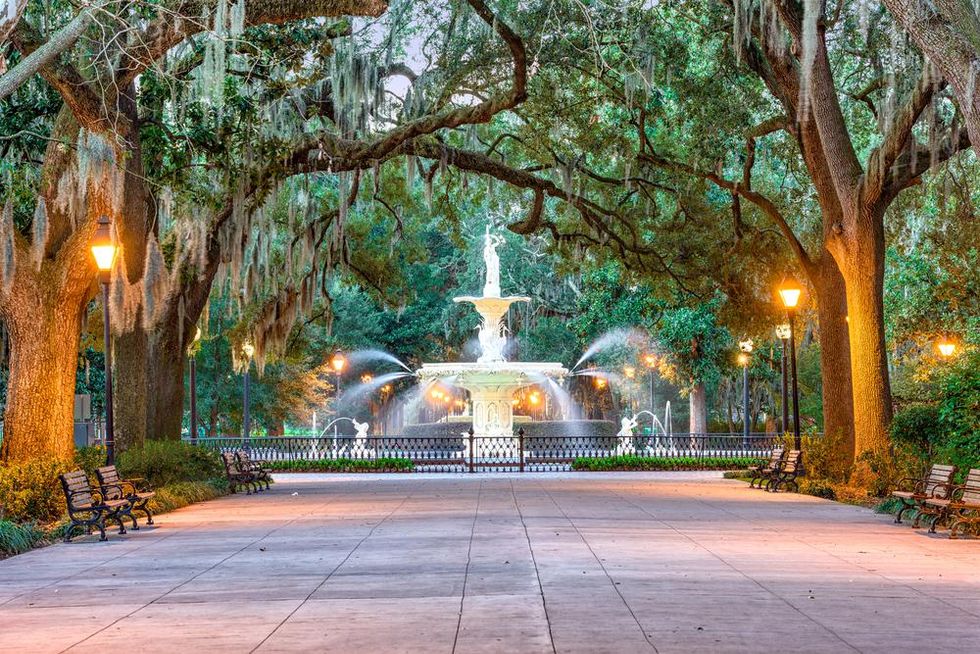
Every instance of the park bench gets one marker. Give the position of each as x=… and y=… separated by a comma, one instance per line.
x=765, y=468
x=89, y=508
x=961, y=508
x=238, y=477
x=913, y=492
x=786, y=472
x=114, y=488
x=245, y=462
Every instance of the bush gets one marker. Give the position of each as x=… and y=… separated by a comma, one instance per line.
x=31, y=491
x=163, y=463
x=343, y=465
x=90, y=458
x=178, y=495
x=824, y=456
x=633, y=462
x=818, y=488
x=16, y=538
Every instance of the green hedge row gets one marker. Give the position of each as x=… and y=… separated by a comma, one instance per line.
x=632, y=462
x=343, y=465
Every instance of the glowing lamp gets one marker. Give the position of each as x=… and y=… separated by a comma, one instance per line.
x=600, y=382
x=534, y=398
x=197, y=335
x=746, y=346
x=338, y=362
x=248, y=349
x=366, y=378
x=629, y=371
x=743, y=359
x=650, y=360
x=946, y=347
x=790, y=292
x=103, y=247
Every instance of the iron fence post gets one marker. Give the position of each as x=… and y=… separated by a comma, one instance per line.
x=520, y=449
x=472, y=449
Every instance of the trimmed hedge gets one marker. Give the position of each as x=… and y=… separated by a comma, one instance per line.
x=342, y=465
x=632, y=462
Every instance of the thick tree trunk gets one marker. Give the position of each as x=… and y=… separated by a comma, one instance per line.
x=863, y=268
x=835, y=352
x=698, y=423
x=38, y=420
x=165, y=409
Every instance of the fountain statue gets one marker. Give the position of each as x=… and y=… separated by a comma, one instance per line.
x=492, y=380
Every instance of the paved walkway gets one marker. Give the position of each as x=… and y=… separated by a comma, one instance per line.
x=566, y=563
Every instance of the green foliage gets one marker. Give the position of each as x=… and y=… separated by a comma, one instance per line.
x=633, y=462
x=162, y=463
x=31, y=491
x=343, y=465
x=16, y=538
x=824, y=456
x=697, y=346
x=90, y=458
x=818, y=488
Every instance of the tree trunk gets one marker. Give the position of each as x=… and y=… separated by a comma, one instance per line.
x=835, y=352
x=165, y=408
x=38, y=420
x=698, y=423
x=863, y=271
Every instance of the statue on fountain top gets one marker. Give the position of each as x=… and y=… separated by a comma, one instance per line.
x=492, y=262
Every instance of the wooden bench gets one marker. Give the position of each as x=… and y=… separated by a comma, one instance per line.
x=237, y=476
x=89, y=508
x=786, y=473
x=765, y=469
x=961, y=508
x=114, y=488
x=262, y=474
x=913, y=492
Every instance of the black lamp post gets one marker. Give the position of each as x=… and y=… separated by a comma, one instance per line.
x=782, y=332
x=338, y=362
x=104, y=252
x=744, y=360
x=193, y=380
x=790, y=292
x=651, y=362
x=248, y=349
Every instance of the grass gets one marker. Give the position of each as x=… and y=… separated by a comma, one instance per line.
x=342, y=465
x=17, y=538
x=632, y=462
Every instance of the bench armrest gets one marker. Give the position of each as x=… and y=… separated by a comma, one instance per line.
x=909, y=484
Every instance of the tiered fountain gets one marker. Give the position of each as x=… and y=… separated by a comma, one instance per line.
x=492, y=380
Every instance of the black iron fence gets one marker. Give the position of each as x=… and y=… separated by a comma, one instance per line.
x=518, y=453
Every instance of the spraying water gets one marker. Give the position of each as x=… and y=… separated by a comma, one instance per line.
x=620, y=337
x=363, y=356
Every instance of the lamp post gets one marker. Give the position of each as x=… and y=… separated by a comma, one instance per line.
x=248, y=349
x=744, y=358
x=790, y=292
x=104, y=252
x=782, y=332
x=337, y=362
x=193, y=380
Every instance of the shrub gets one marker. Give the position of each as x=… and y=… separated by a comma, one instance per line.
x=31, y=491
x=824, y=456
x=90, y=458
x=633, y=462
x=16, y=538
x=162, y=463
x=343, y=465
x=178, y=495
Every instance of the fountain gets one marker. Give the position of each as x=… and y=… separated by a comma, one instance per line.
x=491, y=380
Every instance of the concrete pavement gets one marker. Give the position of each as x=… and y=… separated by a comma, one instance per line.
x=573, y=562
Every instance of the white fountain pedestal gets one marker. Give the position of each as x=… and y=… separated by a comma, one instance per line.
x=491, y=386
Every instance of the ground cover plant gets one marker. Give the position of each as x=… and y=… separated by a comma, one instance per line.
x=342, y=465
x=636, y=462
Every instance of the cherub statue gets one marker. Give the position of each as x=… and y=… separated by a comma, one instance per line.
x=626, y=427
x=361, y=429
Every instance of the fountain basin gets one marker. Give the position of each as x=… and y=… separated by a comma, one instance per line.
x=491, y=386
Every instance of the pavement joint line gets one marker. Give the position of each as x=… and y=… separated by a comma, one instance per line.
x=129, y=551
x=190, y=579
x=739, y=571
x=534, y=562
x=333, y=571
x=612, y=582
x=466, y=570
x=781, y=530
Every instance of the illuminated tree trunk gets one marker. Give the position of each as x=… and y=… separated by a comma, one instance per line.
x=38, y=421
x=835, y=355
x=698, y=423
x=862, y=261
